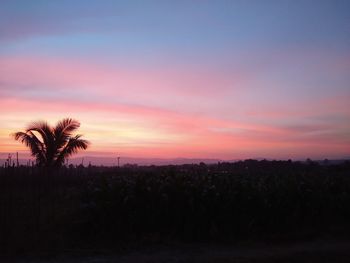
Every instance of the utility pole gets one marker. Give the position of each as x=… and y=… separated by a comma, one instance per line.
x=17, y=159
x=118, y=158
x=9, y=159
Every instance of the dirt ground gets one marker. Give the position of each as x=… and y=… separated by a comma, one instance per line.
x=315, y=251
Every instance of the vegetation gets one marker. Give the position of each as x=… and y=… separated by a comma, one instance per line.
x=51, y=146
x=226, y=201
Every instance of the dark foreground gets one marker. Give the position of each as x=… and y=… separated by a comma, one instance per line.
x=128, y=214
x=315, y=251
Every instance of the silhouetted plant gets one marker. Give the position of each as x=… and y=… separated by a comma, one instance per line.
x=51, y=146
x=226, y=201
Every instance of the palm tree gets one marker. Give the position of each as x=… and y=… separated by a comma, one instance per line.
x=51, y=146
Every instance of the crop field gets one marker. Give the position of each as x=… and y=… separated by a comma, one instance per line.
x=225, y=202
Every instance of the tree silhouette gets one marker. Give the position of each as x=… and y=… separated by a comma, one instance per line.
x=51, y=146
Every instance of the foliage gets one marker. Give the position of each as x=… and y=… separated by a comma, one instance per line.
x=224, y=201
x=51, y=146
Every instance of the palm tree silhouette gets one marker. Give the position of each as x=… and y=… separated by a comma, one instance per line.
x=51, y=146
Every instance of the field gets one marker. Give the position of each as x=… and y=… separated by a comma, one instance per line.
x=133, y=206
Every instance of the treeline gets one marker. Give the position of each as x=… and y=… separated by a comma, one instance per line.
x=224, y=201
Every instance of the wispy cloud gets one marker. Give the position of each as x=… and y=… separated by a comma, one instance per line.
x=225, y=80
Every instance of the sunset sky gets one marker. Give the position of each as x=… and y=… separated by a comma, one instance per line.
x=167, y=79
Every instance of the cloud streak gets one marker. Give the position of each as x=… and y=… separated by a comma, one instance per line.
x=232, y=80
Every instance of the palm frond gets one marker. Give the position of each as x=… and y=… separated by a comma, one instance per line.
x=43, y=129
x=67, y=125
x=51, y=146
x=63, y=131
x=35, y=145
x=73, y=145
x=46, y=132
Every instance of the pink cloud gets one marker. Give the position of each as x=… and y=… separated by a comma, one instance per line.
x=66, y=74
x=196, y=137
x=165, y=112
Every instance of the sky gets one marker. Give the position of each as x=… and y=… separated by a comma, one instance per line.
x=194, y=79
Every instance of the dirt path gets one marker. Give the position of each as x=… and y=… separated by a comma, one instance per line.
x=316, y=251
